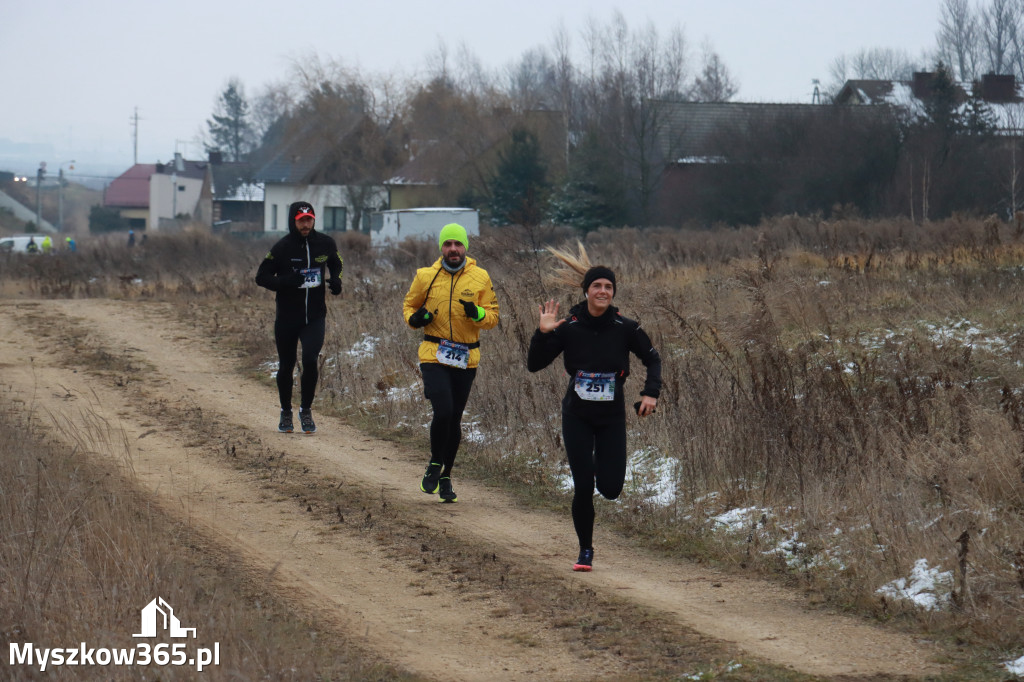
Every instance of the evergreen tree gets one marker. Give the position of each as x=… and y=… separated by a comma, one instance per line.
x=519, y=188
x=593, y=195
x=230, y=129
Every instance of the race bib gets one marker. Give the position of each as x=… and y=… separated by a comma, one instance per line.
x=599, y=386
x=453, y=354
x=314, y=278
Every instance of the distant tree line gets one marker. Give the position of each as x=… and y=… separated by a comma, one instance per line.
x=610, y=164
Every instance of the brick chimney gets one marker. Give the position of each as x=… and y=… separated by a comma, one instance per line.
x=999, y=88
x=923, y=84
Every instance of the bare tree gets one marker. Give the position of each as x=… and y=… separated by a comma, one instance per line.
x=1000, y=24
x=714, y=84
x=624, y=71
x=958, y=39
x=273, y=104
x=877, y=63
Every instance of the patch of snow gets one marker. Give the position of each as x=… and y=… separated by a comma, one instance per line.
x=1015, y=667
x=364, y=347
x=926, y=587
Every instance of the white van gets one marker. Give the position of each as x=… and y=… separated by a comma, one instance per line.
x=20, y=244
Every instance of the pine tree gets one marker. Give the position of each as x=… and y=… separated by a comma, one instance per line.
x=519, y=188
x=230, y=129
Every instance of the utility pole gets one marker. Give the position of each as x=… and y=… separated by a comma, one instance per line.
x=39, y=183
x=60, y=194
x=135, y=136
x=60, y=199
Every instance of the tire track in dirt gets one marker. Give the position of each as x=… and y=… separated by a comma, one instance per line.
x=765, y=620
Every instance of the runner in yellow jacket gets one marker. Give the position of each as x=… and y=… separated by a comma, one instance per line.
x=451, y=301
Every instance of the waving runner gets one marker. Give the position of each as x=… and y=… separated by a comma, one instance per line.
x=595, y=342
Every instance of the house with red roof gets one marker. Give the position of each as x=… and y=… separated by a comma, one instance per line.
x=162, y=196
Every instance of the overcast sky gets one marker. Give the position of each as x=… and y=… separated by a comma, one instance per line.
x=74, y=72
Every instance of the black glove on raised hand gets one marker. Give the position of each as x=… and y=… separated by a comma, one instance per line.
x=292, y=280
x=420, y=318
x=335, y=285
x=473, y=312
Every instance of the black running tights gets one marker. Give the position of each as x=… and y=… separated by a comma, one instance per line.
x=596, y=449
x=447, y=389
x=287, y=338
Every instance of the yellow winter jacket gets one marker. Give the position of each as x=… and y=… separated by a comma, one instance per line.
x=471, y=283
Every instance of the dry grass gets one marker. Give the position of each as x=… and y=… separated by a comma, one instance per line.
x=855, y=385
x=82, y=553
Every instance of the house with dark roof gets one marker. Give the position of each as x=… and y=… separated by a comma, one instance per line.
x=308, y=165
x=439, y=171
x=1000, y=92
x=237, y=197
x=695, y=141
x=163, y=196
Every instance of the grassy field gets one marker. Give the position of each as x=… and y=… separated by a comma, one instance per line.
x=842, y=403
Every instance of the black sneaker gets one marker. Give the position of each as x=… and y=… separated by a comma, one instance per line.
x=585, y=562
x=285, y=425
x=306, y=420
x=445, y=490
x=429, y=482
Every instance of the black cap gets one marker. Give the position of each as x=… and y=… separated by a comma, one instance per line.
x=598, y=272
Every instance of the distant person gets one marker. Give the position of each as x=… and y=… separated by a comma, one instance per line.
x=131, y=238
x=47, y=245
x=297, y=267
x=142, y=242
x=71, y=244
x=451, y=301
x=595, y=341
x=32, y=247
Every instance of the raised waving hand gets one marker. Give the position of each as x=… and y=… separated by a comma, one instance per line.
x=549, y=318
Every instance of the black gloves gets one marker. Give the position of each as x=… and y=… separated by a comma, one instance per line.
x=420, y=318
x=335, y=285
x=292, y=280
x=472, y=311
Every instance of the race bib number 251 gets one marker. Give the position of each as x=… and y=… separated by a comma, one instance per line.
x=598, y=386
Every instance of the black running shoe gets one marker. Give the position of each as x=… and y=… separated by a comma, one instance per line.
x=445, y=490
x=306, y=421
x=429, y=482
x=285, y=425
x=585, y=562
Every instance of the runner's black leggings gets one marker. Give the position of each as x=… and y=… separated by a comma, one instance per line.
x=596, y=449
x=287, y=338
x=447, y=389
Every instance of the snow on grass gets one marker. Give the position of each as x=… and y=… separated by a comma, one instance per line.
x=1015, y=667
x=926, y=587
x=650, y=476
x=364, y=348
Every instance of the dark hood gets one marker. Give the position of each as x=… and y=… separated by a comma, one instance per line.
x=292, y=210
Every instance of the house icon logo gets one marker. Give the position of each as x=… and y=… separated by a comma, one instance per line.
x=158, y=611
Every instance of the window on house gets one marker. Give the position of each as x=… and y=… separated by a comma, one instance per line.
x=334, y=218
x=273, y=216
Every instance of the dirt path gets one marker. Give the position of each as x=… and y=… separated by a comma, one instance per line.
x=353, y=583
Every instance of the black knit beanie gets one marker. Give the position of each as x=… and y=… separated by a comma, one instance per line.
x=598, y=272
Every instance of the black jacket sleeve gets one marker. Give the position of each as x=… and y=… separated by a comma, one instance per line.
x=544, y=348
x=640, y=345
x=268, y=274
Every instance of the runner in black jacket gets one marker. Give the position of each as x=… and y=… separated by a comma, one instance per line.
x=297, y=267
x=595, y=341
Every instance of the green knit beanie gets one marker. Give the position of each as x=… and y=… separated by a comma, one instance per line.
x=453, y=231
